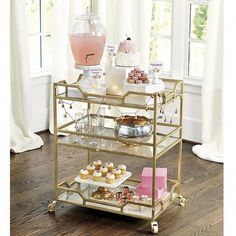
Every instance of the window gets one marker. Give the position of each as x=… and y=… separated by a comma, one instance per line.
x=161, y=33
x=197, y=19
x=170, y=20
x=39, y=25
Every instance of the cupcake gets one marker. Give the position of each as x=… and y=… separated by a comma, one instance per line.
x=84, y=173
x=104, y=170
x=109, y=166
x=122, y=167
x=110, y=178
x=97, y=174
x=90, y=168
x=97, y=164
x=117, y=173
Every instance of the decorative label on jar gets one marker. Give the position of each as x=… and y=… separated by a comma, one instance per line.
x=111, y=54
x=96, y=78
x=156, y=67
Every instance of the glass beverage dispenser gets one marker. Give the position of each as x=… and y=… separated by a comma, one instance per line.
x=87, y=40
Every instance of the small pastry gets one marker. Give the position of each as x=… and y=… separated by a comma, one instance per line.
x=97, y=195
x=146, y=81
x=90, y=168
x=143, y=78
x=122, y=167
x=110, y=178
x=104, y=170
x=97, y=174
x=123, y=200
x=130, y=195
x=118, y=196
x=97, y=164
x=117, y=173
x=109, y=166
x=108, y=195
x=101, y=189
x=125, y=190
x=137, y=74
x=84, y=173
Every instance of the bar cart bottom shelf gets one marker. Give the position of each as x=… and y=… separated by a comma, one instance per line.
x=141, y=212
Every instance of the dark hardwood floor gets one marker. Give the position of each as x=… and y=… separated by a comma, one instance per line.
x=32, y=190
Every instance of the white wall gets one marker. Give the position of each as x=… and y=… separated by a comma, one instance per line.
x=191, y=113
x=192, y=130
x=40, y=102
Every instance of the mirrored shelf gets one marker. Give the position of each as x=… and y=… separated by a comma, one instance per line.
x=113, y=146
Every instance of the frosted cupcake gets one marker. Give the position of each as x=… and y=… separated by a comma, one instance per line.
x=97, y=164
x=97, y=174
x=104, y=170
x=117, y=173
x=84, y=173
x=109, y=166
x=122, y=167
x=90, y=168
x=110, y=178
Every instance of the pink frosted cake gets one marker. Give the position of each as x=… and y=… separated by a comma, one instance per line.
x=127, y=55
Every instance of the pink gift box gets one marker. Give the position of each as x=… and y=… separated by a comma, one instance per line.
x=161, y=178
x=159, y=193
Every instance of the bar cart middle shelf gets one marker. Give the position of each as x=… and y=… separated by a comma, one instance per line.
x=158, y=144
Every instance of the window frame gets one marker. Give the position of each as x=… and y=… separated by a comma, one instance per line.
x=162, y=36
x=189, y=40
x=41, y=70
x=180, y=39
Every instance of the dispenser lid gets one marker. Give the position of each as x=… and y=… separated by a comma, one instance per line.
x=88, y=16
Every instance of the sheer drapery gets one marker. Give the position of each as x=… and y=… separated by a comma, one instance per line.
x=22, y=138
x=212, y=88
x=65, y=13
x=132, y=17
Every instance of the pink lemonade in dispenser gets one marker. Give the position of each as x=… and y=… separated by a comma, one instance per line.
x=87, y=48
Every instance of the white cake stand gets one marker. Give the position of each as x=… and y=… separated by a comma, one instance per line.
x=86, y=80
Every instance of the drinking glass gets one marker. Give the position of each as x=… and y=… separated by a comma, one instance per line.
x=101, y=119
x=79, y=126
x=101, y=123
x=93, y=128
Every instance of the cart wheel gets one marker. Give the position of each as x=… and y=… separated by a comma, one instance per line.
x=182, y=201
x=52, y=207
x=154, y=227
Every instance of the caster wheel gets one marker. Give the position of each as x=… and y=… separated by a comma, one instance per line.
x=182, y=201
x=154, y=227
x=52, y=207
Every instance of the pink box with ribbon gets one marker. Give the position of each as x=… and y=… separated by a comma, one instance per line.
x=161, y=178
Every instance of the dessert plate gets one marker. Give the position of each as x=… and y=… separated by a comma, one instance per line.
x=103, y=182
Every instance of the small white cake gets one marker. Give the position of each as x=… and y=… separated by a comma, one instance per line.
x=127, y=54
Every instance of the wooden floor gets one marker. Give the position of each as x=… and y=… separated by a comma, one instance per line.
x=32, y=190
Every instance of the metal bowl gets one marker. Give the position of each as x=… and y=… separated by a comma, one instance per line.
x=131, y=127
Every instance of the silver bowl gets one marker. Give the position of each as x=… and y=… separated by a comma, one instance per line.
x=128, y=128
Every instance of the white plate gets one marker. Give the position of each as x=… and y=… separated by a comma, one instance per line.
x=102, y=182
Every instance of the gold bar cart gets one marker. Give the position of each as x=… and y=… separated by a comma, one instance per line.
x=153, y=149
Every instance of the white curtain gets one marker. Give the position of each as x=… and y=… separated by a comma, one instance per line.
x=131, y=17
x=65, y=13
x=212, y=89
x=22, y=138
